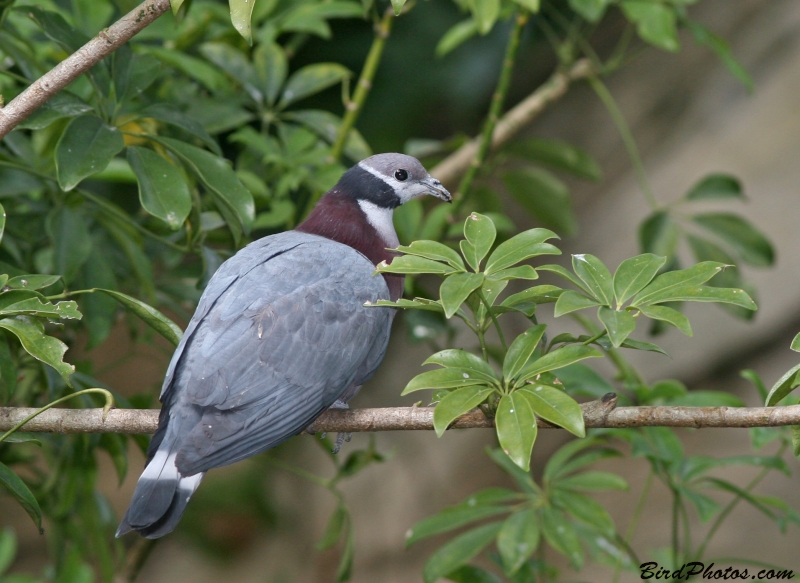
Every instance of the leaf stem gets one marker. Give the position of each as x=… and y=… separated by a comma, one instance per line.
x=494, y=320
x=627, y=137
x=109, y=403
x=382, y=30
x=731, y=505
x=594, y=338
x=637, y=514
x=495, y=109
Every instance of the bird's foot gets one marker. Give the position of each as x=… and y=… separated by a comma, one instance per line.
x=341, y=438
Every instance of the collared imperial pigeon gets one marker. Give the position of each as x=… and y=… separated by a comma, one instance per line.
x=281, y=334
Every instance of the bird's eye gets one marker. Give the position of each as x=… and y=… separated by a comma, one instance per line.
x=401, y=175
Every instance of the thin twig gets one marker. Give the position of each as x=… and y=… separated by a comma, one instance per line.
x=382, y=30
x=596, y=414
x=451, y=168
x=106, y=42
x=495, y=109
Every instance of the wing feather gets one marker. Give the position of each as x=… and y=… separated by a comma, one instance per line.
x=280, y=333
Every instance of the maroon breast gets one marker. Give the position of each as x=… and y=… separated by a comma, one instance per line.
x=338, y=217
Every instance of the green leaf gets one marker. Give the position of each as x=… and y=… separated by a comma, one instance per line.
x=669, y=315
x=148, y=314
x=398, y=6
x=743, y=237
x=593, y=481
x=634, y=344
x=455, y=289
x=241, y=13
x=72, y=244
x=543, y=196
x=17, y=488
x=435, y=251
x=455, y=358
x=456, y=36
x=715, y=186
x=312, y=79
x=581, y=380
x=662, y=287
x=521, y=272
x=635, y=273
x=233, y=200
x=655, y=23
x=706, y=507
x=162, y=190
x=796, y=344
x=49, y=350
x=271, y=68
x=414, y=264
x=8, y=371
x=456, y=403
x=458, y=551
x=235, y=64
x=472, y=574
x=532, y=5
x=485, y=13
x=585, y=509
x=335, y=528
x=8, y=549
x=523, y=479
x=35, y=307
x=785, y=385
x=2, y=221
x=85, y=148
x=566, y=274
x=520, y=247
x=557, y=359
x=556, y=407
x=539, y=294
x=480, y=231
x=568, y=458
x=560, y=534
x=197, y=69
x=558, y=155
x=591, y=10
x=59, y=106
x=720, y=47
x=619, y=324
x=32, y=281
x=659, y=234
x=169, y=114
x=450, y=519
x=518, y=539
x=571, y=301
x=443, y=378
x=521, y=350
x=736, y=297
x=516, y=428
x=596, y=276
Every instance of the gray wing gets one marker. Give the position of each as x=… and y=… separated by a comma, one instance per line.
x=280, y=333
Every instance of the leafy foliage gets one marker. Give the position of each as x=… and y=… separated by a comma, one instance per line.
x=130, y=188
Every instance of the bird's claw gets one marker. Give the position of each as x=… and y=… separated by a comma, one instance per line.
x=340, y=439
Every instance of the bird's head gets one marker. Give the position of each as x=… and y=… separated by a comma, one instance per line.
x=389, y=180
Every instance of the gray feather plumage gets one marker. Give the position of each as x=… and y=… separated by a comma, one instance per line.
x=281, y=332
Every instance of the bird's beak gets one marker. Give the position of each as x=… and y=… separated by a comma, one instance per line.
x=436, y=189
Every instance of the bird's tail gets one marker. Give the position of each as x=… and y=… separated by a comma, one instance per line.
x=161, y=496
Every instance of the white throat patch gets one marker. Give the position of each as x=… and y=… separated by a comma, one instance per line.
x=381, y=219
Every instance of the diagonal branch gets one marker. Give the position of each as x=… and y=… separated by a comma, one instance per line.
x=106, y=42
x=600, y=413
x=451, y=168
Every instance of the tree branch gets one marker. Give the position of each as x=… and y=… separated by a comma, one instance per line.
x=451, y=168
x=601, y=413
x=106, y=42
